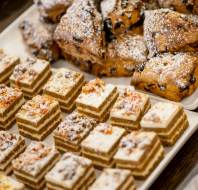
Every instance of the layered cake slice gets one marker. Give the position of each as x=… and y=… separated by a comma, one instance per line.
x=8, y=183
x=101, y=144
x=129, y=108
x=7, y=64
x=140, y=152
x=70, y=133
x=10, y=102
x=114, y=179
x=65, y=85
x=30, y=76
x=72, y=172
x=168, y=120
x=96, y=99
x=11, y=146
x=38, y=117
x=31, y=166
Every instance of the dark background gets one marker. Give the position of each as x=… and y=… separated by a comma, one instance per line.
x=180, y=166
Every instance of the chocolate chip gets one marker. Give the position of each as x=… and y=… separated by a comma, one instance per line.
x=113, y=70
x=140, y=67
x=162, y=87
x=118, y=24
x=78, y=39
x=193, y=79
x=108, y=30
x=183, y=88
x=189, y=7
x=124, y=3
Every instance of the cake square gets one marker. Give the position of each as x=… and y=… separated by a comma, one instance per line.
x=168, y=120
x=30, y=76
x=114, y=179
x=65, y=85
x=72, y=172
x=129, y=108
x=96, y=99
x=10, y=102
x=72, y=131
x=7, y=64
x=32, y=165
x=38, y=117
x=101, y=144
x=11, y=145
x=8, y=183
x=140, y=152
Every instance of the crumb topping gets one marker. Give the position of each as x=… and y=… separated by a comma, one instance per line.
x=8, y=96
x=35, y=158
x=75, y=127
x=37, y=108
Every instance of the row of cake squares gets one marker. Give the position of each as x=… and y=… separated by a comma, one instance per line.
x=41, y=165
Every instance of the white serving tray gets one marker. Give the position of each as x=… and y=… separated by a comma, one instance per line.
x=11, y=41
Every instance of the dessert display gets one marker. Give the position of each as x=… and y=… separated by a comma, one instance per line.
x=140, y=152
x=168, y=120
x=101, y=144
x=180, y=5
x=129, y=108
x=39, y=39
x=71, y=172
x=11, y=145
x=96, y=99
x=8, y=183
x=169, y=31
x=7, y=64
x=72, y=131
x=65, y=85
x=173, y=76
x=11, y=100
x=38, y=117
x=52, y=10
x=114, y=179
x=30, y=76
x=32, y=165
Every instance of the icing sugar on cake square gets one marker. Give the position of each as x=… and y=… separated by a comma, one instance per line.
x=33, y=164
x=96, y=99
x=11, y=146
x=140, y=152
x=129, y=108
x=70, y=133
x=65, y=85
x=7, y=64
x=10, y=102
x=72, y=172
x=114, y=179
x=101, y=144
x=8, y=183
x=168, y=120
x=30, y=76
x=38, y=117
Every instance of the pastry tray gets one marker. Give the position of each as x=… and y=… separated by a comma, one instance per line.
x=11, y=41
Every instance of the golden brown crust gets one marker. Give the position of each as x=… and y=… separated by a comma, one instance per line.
x=80, y=32
x=187, y=6
x=39, y=40
x=169, y=31
x=168, y=75
x=123, y=15
x=52, y=10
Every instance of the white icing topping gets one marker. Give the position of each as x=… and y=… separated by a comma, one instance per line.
x=110, y=179
x=28, y=71
x=75, y=127
x=37, y=108
x=103, y=137
x=134, y=145
x=62, y=81
x=8, y=97
x=35, y=158
x=8, y=143
x=69, y=170
x=95, y=92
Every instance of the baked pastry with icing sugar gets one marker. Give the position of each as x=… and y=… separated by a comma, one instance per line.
x=71, y=172
x=169, y=31
x=172, y=76
x=168, y=120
